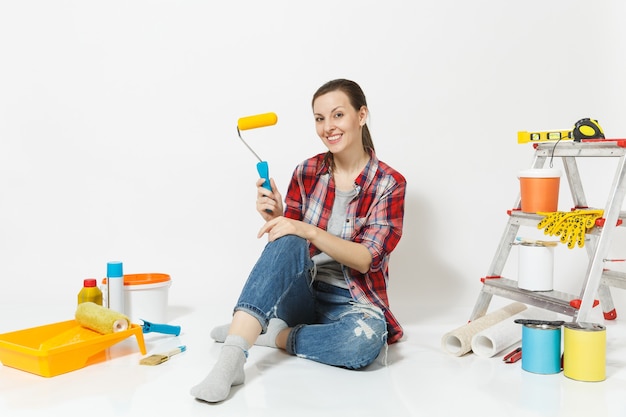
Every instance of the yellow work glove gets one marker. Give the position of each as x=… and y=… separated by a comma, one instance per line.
x=554, y=223
x=575, y=232
x=571, y=227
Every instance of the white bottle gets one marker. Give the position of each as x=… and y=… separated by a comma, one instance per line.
x=115, y=287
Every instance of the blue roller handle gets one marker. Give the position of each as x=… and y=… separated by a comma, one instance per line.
x=160, y=328
x=264, y=172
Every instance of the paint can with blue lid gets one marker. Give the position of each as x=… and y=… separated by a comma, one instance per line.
x=584, y=351
x=541, y=348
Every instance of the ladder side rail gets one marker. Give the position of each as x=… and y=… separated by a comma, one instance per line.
x=482, y=304
x=606, y=301
x=604, y=291
x=539, y=160
x=495, y=269
x=574, y=181
x=504, y=249
x=596, y=264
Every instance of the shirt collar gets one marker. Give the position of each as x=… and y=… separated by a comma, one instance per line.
x=363, y=179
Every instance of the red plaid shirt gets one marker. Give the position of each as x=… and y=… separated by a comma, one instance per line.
x=374, y=219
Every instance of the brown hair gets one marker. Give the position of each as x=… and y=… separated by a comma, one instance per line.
x=357, y=100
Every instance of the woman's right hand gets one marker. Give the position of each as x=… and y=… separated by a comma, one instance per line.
x=268, y=203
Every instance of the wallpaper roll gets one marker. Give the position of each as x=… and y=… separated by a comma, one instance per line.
x=459, y=341
x=495, y=339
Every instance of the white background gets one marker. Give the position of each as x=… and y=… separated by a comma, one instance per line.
x=118, y=132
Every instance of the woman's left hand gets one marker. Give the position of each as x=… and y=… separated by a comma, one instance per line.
x=282, y=226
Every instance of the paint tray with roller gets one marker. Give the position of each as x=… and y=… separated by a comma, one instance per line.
x=66, y=346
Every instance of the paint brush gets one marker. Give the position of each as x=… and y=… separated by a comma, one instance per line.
x=548, y=243
x=159, y=358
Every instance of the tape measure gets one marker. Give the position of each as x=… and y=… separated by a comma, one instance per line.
x=587, y=129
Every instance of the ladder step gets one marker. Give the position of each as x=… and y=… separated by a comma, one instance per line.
x=608, y=148
x=550, y=300
x=518, y=217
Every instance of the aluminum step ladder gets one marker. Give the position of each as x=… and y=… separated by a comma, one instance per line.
x=598, y=280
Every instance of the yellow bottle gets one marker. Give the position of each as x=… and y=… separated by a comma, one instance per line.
x=90, y=292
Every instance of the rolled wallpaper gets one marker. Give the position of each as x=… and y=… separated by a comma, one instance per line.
x=458, y=342
x=495, y=339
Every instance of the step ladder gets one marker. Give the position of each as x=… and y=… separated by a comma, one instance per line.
x=598, y=279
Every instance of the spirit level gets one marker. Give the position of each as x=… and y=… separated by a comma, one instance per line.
x=543, y=136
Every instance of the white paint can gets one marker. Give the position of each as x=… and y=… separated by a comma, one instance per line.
x=146, y=297
x=535, y=267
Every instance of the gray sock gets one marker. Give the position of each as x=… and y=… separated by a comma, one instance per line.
x=268, y=339
x=227, y=371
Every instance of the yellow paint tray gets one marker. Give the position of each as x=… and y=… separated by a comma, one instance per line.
x=58, y=348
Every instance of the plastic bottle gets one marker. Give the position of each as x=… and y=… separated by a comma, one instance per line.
x=90, y=292
x=115, y=287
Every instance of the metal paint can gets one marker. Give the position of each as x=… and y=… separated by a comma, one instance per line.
x=584, y=351
x=535, y=267
x=541, y=348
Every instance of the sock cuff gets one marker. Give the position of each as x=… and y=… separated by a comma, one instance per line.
x=240, y=342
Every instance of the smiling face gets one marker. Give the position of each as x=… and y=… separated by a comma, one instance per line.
x=338, y=124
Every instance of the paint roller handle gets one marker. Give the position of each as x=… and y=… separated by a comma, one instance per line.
x=160, y=328
x=264, y=172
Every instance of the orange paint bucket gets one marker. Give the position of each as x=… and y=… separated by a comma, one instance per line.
x=539, y=189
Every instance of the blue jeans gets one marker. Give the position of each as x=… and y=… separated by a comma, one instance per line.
x=328, y=325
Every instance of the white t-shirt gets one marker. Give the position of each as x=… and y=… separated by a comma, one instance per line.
x=327, y=269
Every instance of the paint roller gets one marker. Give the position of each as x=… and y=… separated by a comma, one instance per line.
x=101, y=319
x=254, y=122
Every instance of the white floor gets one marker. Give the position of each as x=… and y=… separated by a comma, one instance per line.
x=421, y=378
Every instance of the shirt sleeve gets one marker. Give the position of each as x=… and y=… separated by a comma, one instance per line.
x=381, y=229
x=293, y=199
